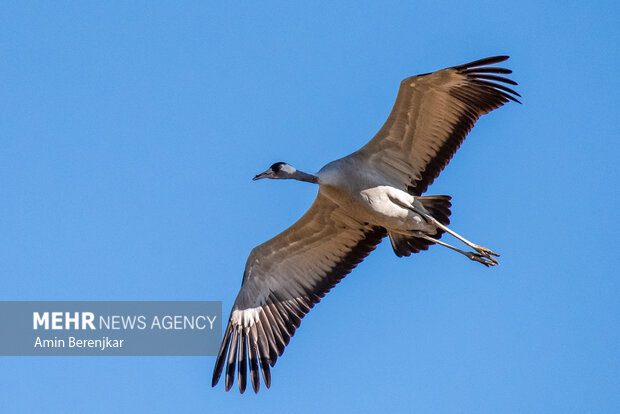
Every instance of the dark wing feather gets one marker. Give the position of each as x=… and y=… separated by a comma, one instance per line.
x=284, y=278
x=432, y=116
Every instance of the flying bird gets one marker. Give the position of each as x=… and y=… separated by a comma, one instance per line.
x=370, y=194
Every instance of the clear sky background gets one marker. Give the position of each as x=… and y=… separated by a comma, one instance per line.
x=130, y=132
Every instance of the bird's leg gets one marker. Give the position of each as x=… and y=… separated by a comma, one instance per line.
x=418, y=209
x=477, y=257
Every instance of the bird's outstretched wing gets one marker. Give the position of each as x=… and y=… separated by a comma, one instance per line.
x=284, y=278
x=430, y=119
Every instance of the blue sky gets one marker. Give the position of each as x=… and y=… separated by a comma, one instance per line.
x=131, y=130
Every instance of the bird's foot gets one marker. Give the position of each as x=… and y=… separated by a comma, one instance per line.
x=484, y=251
x=487, y=253
x=481, y=258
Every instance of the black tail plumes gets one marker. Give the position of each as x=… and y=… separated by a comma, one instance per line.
x=438, y=207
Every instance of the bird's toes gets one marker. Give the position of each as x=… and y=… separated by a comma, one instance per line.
x=485, y=251
x=477, y=257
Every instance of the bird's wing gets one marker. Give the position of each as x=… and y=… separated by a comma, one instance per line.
x=430, y=119
x=284, y=278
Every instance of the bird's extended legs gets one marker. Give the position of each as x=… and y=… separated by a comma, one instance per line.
x=482, y=255
x=477, y=257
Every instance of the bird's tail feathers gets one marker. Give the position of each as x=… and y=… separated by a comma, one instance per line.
x=439, y=207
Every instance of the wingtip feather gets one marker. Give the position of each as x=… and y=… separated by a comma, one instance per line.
x=483, y=62
x=232, y=357
x=221, y=356
x=242, y=373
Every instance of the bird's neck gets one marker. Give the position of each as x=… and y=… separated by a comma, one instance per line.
x=302, y=176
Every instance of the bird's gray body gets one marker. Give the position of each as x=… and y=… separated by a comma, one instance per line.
x=369, y=195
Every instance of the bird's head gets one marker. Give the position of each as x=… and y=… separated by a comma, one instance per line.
x=278, y=170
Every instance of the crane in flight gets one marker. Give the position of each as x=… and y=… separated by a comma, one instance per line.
x=370, y=194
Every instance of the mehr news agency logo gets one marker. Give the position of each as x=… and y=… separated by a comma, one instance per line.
x=87, y=321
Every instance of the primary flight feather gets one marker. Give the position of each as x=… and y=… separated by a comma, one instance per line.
x=363, y=197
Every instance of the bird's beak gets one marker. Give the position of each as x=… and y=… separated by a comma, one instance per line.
x=265, y=174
